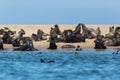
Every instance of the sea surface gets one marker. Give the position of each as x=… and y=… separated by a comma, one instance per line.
x=88, y=64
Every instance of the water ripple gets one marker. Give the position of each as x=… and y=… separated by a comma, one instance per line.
x=88, y=64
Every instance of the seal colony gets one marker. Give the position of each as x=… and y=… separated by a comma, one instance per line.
x=25, y=38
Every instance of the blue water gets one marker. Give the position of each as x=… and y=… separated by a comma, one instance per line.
x=88, y=64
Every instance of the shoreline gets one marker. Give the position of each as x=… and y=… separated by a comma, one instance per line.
x=44, y=45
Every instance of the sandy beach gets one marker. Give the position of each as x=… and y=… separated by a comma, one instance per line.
x=32, y=28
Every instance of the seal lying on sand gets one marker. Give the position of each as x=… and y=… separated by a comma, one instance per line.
x=68, y=35
x=27, y=46
x=6, y=35
x=39, y=36
x=113, y=38
x=99, y=43
x=68, y=46
x=21, y=33
x=1, y=44
x=52, y=45
x=16, y=42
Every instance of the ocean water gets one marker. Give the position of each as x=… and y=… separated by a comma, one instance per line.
x=88, y=64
